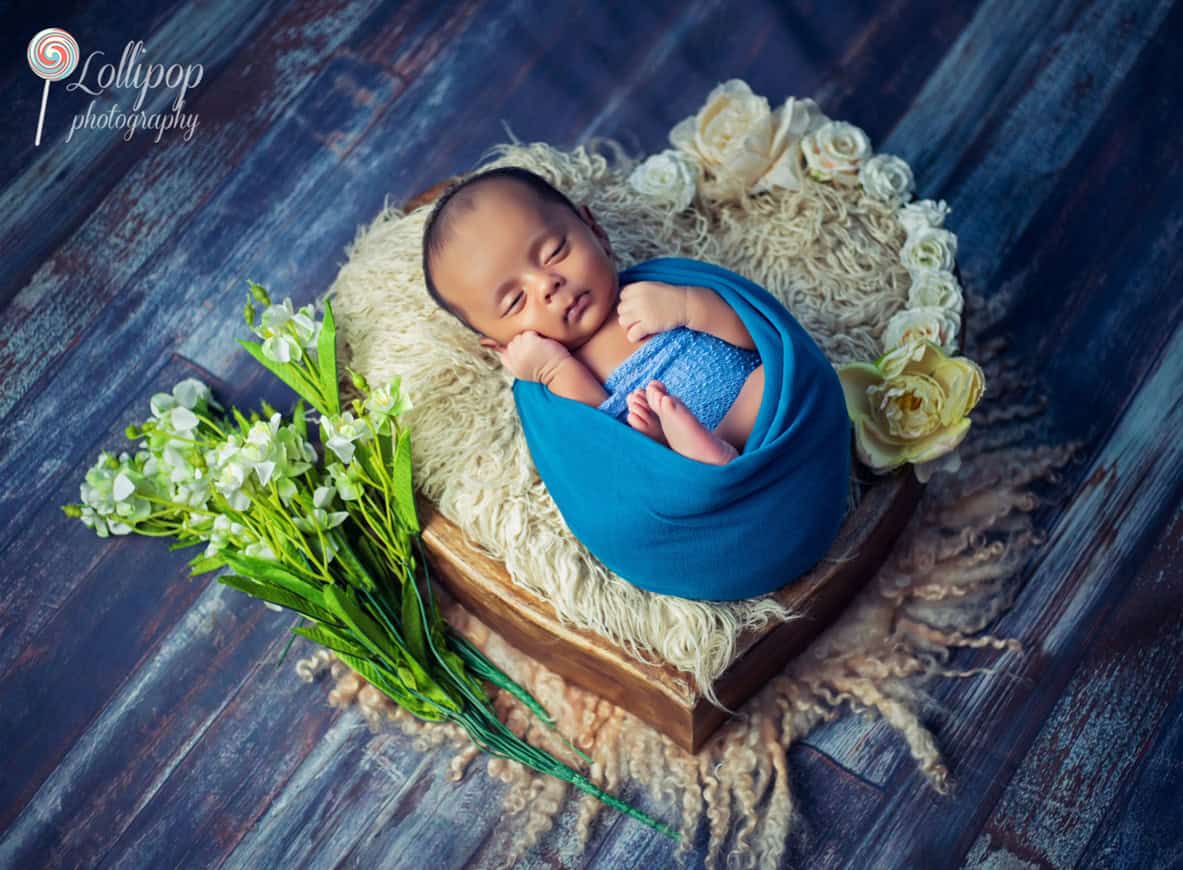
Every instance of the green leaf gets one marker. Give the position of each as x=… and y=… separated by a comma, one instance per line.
x=298, y=421
x=412, y=621
x=283, y=598
x=326, y=360
x=331, y=639
x=404, y=494
x=283, y=371
x=266, y=570
x=343, y=601
x=399, y=694
x=243, y=423
x=205, y=564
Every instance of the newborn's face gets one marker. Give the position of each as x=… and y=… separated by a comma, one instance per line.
x=513, y=263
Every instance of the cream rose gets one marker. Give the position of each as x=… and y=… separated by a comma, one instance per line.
x=923, y=214
x=931, y=323
x=741, y=144
x=936, y=289
x=912, y=405
x=835, y=152
x=888, y=178
x=929, y=250
x=669, y=176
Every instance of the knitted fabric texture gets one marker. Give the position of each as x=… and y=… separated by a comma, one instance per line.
x=702, y=370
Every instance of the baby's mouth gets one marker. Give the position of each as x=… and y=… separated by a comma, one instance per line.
x=574, y=305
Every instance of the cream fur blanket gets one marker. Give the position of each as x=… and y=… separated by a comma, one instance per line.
x=831, y=255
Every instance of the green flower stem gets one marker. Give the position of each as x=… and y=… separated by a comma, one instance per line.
x=297, y=537
x=212, y=424
x=500, y=741
x=176, y=506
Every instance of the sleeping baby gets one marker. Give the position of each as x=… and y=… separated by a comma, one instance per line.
x=517, y=263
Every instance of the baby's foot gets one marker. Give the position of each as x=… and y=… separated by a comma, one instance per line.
x=643, y=418
x=683, y=431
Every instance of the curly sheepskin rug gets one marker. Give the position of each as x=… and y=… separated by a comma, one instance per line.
x=832, y=257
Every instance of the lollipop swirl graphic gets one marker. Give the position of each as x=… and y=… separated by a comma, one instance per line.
x=53, y=54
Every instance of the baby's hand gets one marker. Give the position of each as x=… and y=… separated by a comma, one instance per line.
x=530, y=356
x=648, y=307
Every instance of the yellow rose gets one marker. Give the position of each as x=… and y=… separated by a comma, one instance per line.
x=911, y=405
x=742, y=144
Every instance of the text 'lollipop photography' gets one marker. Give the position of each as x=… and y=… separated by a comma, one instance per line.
x=53, y=55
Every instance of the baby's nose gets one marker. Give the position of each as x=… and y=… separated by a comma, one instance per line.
x=547, y=283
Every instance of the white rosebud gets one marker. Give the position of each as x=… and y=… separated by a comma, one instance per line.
x=929, y=250
x=888, y=178
x=835, y=152
x=923, y=214
x=668, y=176
x=936, y=290
x=916, y=325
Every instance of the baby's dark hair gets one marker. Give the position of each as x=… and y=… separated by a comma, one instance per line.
x=458, y=196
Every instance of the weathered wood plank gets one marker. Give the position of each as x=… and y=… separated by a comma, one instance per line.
x=336, y=794
x=1071, y=778
x=102, y=25
x=157, y=722
x=1018, y=147
x=132, y=327
x=43, y=564
x=1064, y=246
x=1090, y=552
x=61, y=182
x=173, y=181
x=1143, y=828
x=80, y=614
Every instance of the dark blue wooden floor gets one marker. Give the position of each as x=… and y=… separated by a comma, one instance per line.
x=142, y=721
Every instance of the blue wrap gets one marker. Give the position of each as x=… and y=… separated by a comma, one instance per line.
x=677, y=526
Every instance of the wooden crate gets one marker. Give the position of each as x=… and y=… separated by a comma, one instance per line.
x=483, y=586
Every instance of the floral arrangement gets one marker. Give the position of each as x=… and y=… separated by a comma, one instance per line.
x=912, y=404
x=327, y=535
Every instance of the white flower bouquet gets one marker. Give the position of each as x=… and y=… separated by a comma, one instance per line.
x=332, y=536
x=912, y=404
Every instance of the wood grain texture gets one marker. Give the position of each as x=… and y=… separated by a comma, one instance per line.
x=144, y=721
x=661, y=695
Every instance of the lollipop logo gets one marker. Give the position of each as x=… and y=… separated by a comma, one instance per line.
x=52, y=54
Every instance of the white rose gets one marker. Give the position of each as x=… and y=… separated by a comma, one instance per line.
x=936, y=289
x=741, y=144
x=669, y=176
x=922, y=214
x=717, y=132
x=791, y=122
x=835, y=151
x=929, y=250
x=938, y=325
x=888, y=178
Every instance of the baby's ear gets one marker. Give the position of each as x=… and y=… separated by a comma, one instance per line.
x=490, y=343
